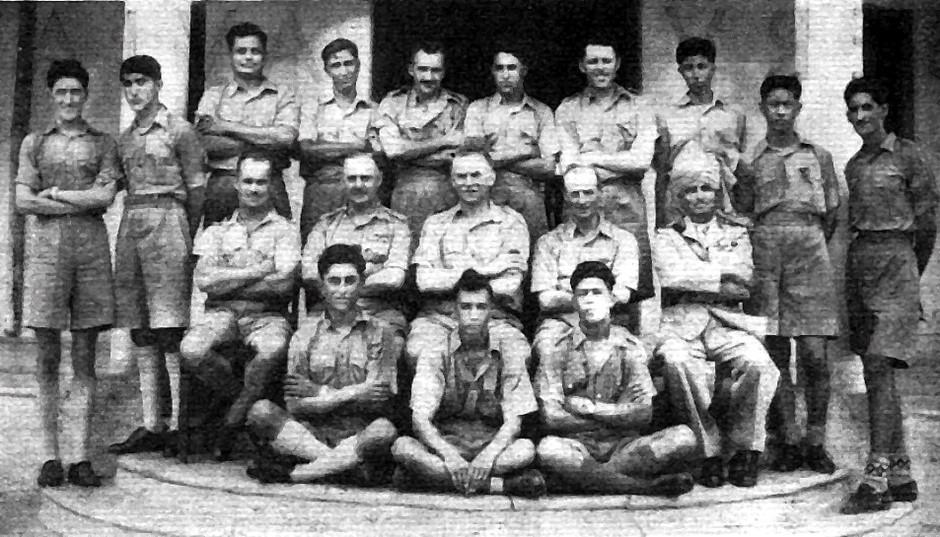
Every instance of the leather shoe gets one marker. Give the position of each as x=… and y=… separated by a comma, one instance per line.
x=866, y=499
x=528, y=484
x=818, y=460
x=83, y=475
x=224, y=442
x=789, y=458
x=51, y=474
x=268, y=469
x=903, y=492
x=712, y=473
x=139, y=441
x=742, y=468
x=672, y=485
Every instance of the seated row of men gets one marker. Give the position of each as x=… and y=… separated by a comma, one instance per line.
x=467, y=356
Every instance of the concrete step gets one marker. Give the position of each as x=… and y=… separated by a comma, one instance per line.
x=154, y=496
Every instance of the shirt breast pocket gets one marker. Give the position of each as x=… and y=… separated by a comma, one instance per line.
x=888, y=179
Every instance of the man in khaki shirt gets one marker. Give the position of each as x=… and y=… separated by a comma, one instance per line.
x=420, y=128
x=249, y=111
x=335, y=126
x=518, y=134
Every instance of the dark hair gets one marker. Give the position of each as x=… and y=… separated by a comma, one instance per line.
x=592, y=269
x=467, y=151
x=140, y=65
x=246, y=29
x=872, y=86
x=66, y=69
x=341, y=254
x=695, y=46
x=428, y=47
x=784, y=82
x=338, y=45
x=599, y=41
x=472, y=281
x=510, y=48
x=255, y=154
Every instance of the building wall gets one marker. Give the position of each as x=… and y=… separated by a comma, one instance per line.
x=9, y=27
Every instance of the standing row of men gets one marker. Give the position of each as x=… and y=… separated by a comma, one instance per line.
x=501, y=149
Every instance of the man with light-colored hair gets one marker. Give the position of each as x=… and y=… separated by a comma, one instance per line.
x=704, y=266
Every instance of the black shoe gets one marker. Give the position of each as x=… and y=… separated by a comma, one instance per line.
x=139, y=441
x=742, y=468
x=672, y=485
x=171, y=441
x=51, y=474
x=270, y=470
x=224, y=442
x=82, y=475
x=528, y=484
x=903, y=492
x=866, y=499
x=712, y=473
x=818, y=460
x=789, y=458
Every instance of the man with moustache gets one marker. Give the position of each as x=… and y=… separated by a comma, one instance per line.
x=796, y=202
x=249, y=111
x=586, y=235
x=341, y=378
x=247, y=267
x=892, y=213
x=468, y=399
x=420, y=128
x=596, y=401
x=163, y=164
x=475, y=234
x=607, y=128
x=704, y=265
x=518, y=134
x=337, y=126
x=381, y=233
x=67, y=177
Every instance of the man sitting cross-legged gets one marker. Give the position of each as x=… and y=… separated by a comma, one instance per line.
x=596, y=399
x=341, y=376
x=468, y=399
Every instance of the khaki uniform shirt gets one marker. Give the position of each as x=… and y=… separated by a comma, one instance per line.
x=401, y=118
x=526, y=125
x=798, y=179
x=327, y=121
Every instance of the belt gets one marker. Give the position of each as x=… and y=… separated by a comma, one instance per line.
x=789, y=217
x=136, y=200
x=693, y=298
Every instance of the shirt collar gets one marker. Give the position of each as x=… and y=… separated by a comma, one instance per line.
x=84, y=128
x=160, y=118
x=323, y=319
x=268, y=218
x=616, y=338
x=330, y=97
x=266, y=85
x=412, y=97
x=497, y=99
x=604, y=227
x=378, y=212
x=686, y=100
x=493, y=213
x=762, y=147
x=889, y=142
x=588, y=94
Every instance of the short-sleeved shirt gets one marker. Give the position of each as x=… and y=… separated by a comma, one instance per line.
x=558, y=253
x=231, y=245
x=891, y=187
x=162, y=157
x=327, y=121
x=498, y=235
x=400, y=117
x=800, y=179
x=529, y=124
x=715, y=125
x=586, y=123
x=268, y=105
x=496, y=389
x=79, y=161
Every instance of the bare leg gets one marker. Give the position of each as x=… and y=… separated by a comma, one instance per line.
x=47, y=373
x=415, y=458
x=348, y=453
x=658, y=453
x=285, y=435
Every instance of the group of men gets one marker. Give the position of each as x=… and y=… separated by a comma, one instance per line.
x=465, y=243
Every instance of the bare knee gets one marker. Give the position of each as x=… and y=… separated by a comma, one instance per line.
x=523, y=451
x=382, y=430
x=194, y=347
x=266, y=419
x=406, y=448
x=553, y=453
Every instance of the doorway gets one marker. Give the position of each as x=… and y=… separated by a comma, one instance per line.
x=888, y=37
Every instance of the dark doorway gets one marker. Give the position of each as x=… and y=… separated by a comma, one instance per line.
x=888, y=54
x=551, y=32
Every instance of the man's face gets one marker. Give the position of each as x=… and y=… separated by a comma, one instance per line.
x=362, y=180
x=140, y=90
x=508, y=73
x=582, y=195
x=472, y=177
x=697, y=72
x=343, y=68
x=254, y=183
x=427, y=72
x=473, y=312
x=341, y=286
x=68, y=97
x=699, y=201
x=599, y=65
x=593, y=300
x=866, y=115
x=248, y=56
x=780, y=109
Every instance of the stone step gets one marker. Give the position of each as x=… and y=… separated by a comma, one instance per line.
x=154, y=496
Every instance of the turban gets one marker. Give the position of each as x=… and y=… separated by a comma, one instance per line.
x=693, y=166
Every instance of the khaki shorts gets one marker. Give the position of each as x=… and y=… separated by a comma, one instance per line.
x=263, y=332
x=152, y=274
x=67, y=281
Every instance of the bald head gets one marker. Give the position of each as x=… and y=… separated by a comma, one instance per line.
x=582, y=192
